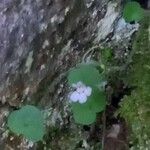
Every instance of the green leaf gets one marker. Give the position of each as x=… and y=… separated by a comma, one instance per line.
x=97, y=100
x=91, y=76
x=82, y=114
x=88, y=74
x=86, y=113
x=107, y=54
x=27, y=121
x=133, y=12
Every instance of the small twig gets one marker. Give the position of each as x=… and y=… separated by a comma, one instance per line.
x=89, y=51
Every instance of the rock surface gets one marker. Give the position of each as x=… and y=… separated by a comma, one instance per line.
x=37, y=39
x=40, y=40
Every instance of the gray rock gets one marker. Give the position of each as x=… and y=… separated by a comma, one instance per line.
x=33, y=35
x=40, y=40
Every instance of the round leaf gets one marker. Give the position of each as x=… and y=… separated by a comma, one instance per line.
x=27, y=121
x=88, y=74
x=133, y=12
x=82, y=114
x=97, y=100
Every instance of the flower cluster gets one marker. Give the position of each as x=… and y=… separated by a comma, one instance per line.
x=81, y=93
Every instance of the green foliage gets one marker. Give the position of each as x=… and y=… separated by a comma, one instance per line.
x=83, y=114
x=86, y=113
x=136, y=107
x=88, y=74
x=133, y=12
x=28, y=121
x=106, y=54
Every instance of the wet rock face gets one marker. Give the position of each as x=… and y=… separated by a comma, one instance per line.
x=21, y=22
x=36, y=39
x=40, y=40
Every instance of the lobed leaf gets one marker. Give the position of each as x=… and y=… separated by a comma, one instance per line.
x=133, y=12
x=27, y=121
x=88, y=74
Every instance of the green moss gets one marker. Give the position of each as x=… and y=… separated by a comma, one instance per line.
x=136, y=107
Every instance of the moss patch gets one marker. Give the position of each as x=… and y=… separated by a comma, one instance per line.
x=135, y=108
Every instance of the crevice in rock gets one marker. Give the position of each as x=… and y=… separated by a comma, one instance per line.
x=144, y=3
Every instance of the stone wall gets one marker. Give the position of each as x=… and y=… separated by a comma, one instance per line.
x=40, y=40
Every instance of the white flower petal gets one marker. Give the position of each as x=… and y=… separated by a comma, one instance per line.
x=81, y=90
x=74, y=85
x=74, y=97
x=88, y=91
x=81, y=93
x=82, y=98
x=79, y=84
